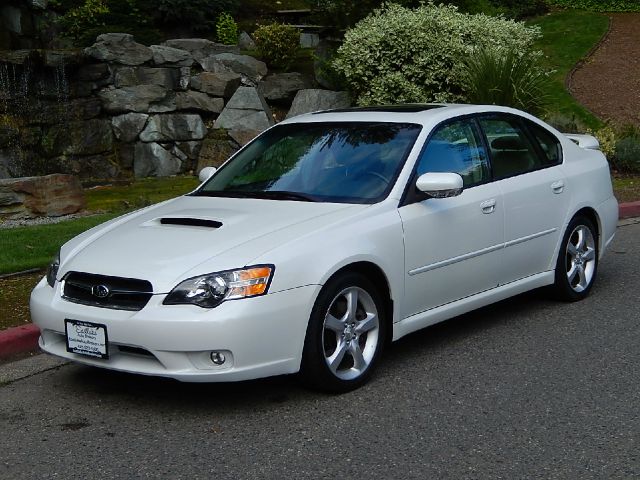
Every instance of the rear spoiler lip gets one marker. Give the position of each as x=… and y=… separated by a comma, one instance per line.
x=588, y=142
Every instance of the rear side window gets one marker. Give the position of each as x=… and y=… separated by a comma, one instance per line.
x=549, y=144
x=456, y=147
x=511, y=151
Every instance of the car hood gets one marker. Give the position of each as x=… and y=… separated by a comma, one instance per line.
x=212, y=234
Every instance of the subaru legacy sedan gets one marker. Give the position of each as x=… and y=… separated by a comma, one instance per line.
x=329, y=236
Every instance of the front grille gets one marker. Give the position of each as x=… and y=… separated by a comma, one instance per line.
x=106, y=292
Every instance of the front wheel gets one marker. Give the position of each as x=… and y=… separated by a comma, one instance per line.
x=345, y=335
x=577, y=263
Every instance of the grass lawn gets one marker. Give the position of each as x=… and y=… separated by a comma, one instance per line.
x=568, y=36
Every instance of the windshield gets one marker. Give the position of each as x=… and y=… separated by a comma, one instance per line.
x=350, y=162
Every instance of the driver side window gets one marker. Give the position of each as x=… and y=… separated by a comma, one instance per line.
x=456, y=147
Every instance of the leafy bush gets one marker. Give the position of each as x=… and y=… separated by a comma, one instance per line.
x=399, y=54
x=78, y=19
x=505, y=77
x=199, y=15
x=607, y=138
x=226, y=29
x=627, y=154
x=277, y=44
x=599, y=5
x=564, y=123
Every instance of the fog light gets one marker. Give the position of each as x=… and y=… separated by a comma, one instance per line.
x=218, y=358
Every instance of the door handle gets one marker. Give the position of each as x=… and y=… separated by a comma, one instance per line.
x=488, y=206
x=557, y=187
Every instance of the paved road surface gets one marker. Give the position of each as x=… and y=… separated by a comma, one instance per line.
x=529, y=388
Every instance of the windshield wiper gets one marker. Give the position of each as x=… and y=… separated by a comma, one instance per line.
x=267, y=194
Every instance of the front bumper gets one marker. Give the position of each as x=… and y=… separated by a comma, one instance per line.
x=261, y=336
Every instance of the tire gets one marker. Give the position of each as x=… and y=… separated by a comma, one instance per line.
x=345, y=336
x=577, y=263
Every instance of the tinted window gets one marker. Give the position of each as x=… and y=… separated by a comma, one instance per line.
x=332, y=162
x=456, y=147
x=549, y=144
x=511, y=151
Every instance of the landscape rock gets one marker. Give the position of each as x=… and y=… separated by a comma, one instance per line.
x=119, y=48
x=174, y=127
x=131, y=99
x=282, y=87
x=214, y=152
x=247, y=110
x=125, y=154
x=200, y=48
x=76, y=109
x=172, y=56
x=127, y=127
x=216, y=84
x=190, y=149
x=132, y=76
x=93, y=72
x=16, y=57
x=198, y=101
x=313, y=100
x=80, y=137
x=100, y=166
x=245, y=42
x=50, y=195
x=243, y=136
x=246, y=65
x=61, y=58
x=166, y=105
x=152, y=159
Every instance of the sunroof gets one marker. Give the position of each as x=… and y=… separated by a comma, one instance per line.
x=406, y=108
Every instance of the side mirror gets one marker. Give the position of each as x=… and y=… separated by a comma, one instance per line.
x=206, y=173
x=440, y=185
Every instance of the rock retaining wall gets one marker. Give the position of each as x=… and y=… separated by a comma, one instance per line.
x=120, y=108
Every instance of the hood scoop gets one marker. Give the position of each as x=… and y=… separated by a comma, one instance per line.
x=190, y=222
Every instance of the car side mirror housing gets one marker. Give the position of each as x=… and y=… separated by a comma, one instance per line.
x=206, y=173
x=440, y=185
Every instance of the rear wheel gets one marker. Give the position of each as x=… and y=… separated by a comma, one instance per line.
x=345, y=335
x=577, y=263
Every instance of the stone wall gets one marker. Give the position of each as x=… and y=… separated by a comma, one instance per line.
x=120, y=108
x=21, y=23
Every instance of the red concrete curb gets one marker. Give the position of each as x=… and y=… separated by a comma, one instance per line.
x=631, y=209
x=18, y=340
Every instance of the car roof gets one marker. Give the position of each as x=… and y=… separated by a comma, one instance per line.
x=424, y=114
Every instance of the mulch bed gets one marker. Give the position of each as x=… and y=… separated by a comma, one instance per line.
x=608, y=82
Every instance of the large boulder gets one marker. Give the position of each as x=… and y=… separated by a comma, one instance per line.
x=154, y=160
x=59, y=113
x=313, y=100
x=131, y=99
x=128, y=126
x=198, y=101
x=169, y=56
x=282, y=87
x=174, y=127
x=50, y=195
x=101, y=166
x=119, y=48
x=246, y=110
x=78, y=137
x=216, y=84
x=245, y=65
x=245, y=42
x=200, y=48
x=132, y=76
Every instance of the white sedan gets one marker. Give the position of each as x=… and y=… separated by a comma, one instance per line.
x=329, y=236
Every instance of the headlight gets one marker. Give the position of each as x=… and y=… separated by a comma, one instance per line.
x=52, y=270
x=211, y=290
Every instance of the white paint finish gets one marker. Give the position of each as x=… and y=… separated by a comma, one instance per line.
x=439, y=257
x=443, y=241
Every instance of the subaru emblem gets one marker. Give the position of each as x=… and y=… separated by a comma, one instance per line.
x=100, y=291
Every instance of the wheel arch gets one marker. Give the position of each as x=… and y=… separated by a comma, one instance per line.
x=377, y=276
x=592, y=215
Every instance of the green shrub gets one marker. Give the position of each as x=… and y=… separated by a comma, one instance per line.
x=399, y=54
x=599, y=5
x=277, y=44
x=564, y=123
x=87, y=15
x=198, y=15
x=505, y=77
x=608, y=140
x=627, y=154
x=226, y=29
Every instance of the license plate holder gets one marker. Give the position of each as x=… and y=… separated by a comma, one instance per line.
x=86, y=338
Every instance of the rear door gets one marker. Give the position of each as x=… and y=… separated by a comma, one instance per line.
x=526, y=161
